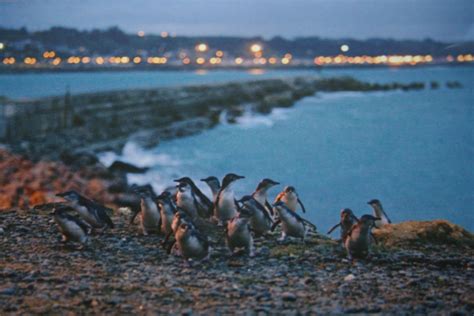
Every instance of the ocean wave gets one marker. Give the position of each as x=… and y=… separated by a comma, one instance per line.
x=138, y=156
x=251, y=120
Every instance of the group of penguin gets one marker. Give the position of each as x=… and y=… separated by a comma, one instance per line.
x=180, y=211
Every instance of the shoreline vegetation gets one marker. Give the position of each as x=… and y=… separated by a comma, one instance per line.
x=164, y=68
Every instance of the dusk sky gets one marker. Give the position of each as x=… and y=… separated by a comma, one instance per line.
x=402, y=19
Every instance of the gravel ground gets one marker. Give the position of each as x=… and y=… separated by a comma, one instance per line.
x=124, y=272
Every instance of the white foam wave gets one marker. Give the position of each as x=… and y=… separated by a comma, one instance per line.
x=252, y=120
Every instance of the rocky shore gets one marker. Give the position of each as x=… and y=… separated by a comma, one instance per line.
x=122, y=271
x=50, y=127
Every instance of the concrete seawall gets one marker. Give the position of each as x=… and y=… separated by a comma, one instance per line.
x=104, y=121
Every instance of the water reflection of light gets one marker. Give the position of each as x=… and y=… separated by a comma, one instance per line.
x=201, y=72
x=256, y=71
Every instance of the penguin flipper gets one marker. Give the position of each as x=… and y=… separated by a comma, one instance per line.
x=301, y=204
x=263, y=210
x=275, y=224
x=305, y=221
x=269, y=207
x=388, y=219
x=333, y=228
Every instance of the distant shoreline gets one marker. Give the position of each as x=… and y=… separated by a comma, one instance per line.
x=81, y=69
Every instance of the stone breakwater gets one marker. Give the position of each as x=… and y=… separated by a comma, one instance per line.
x=123, y=272
x=48, y=127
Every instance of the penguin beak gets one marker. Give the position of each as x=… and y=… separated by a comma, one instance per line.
x=240, y=177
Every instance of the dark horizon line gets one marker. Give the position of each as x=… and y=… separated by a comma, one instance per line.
x=253, y=37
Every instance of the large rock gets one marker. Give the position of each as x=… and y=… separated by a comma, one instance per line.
x=422, y=233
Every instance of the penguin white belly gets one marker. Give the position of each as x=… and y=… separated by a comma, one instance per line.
x=72, y=231
x=226, y=207
x=87, y=216
x=187, y=204
x=260, y=223
x=192, y=247
x=240, y=237
x=150, y=216
x=292, y=227
x=166, y=222
x=291, y=202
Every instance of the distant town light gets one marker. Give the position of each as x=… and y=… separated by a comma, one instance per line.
x=200, y=61
x=201, y=47
x=56, y=61
x=141, y=33
x=99, y=60
x=238, y=60
x=137, y=60
x=186, y=61
x=2, y=46
x=255, y=48
x=219, y=53
x=86, y=60
x=344, y=48
x=285, y=61
x=272, y=60
x=164, y=34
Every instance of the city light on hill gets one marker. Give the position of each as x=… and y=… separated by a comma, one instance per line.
x=140, y=33
x=256, y=48
x=202, y=47
x=344, y=48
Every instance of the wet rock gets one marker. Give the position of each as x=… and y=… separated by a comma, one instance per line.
x=124, y=167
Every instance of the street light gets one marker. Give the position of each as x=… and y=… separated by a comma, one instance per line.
x=202, y=47
x=256, y=48
x=344, y=48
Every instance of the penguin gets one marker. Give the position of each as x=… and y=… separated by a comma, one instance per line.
x=214, y=185
x=379, y=212
x=186, y=200
x=260, y=193
x=93, y=213
x=135, y=205
x=290, y=198
x=150, y=217
x=225, y=206
x=71, y=227
x=238, y=232
x=179, y=217
x=191, y=243
x=291, y=223
x=347, y=220
x=358, y=238
x=260, y=221
x=202, y=203
x=167, y=211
